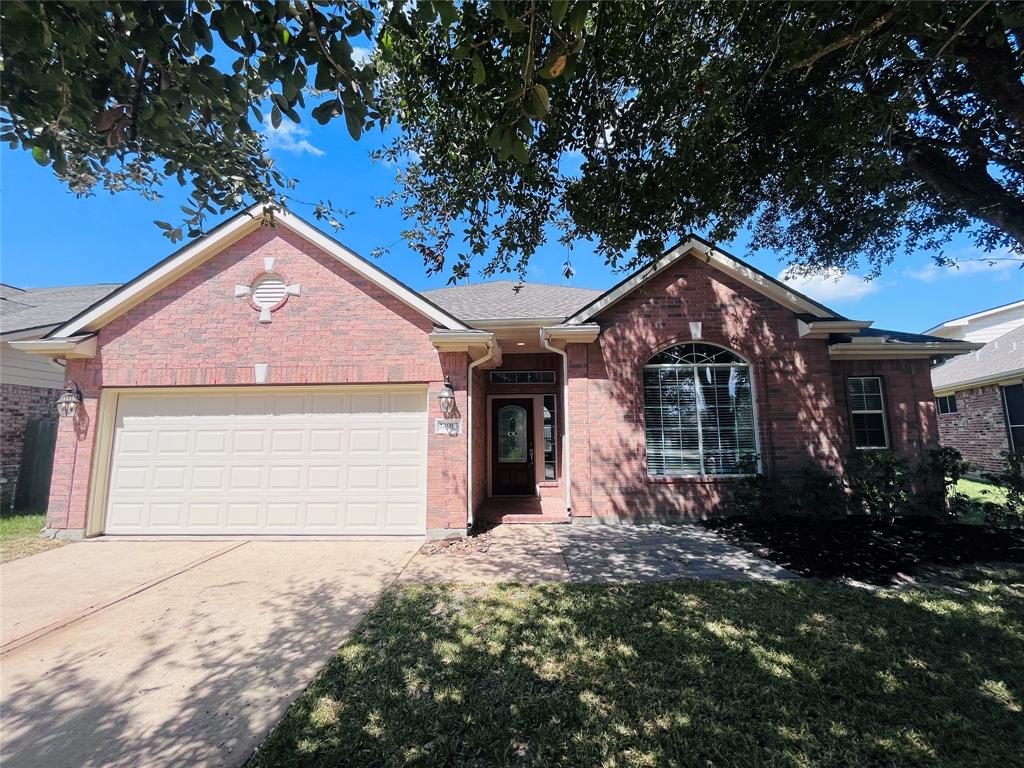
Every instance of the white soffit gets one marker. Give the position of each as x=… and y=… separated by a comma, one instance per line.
x=191, y=256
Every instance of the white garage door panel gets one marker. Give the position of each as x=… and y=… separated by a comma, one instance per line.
x=273, y=463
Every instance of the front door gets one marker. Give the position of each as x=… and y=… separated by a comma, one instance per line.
x=512, y=471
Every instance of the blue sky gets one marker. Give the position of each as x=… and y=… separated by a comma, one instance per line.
x=49, y=237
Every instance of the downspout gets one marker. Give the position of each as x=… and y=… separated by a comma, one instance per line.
x=491, y=346
x=566, y=476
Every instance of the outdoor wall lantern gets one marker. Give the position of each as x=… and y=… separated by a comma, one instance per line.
x=70, y=399
x=446, y=398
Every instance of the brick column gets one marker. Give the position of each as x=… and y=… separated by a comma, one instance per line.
x=447, y=490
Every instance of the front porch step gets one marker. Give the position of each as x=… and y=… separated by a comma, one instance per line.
x=522, y=511
x=528, y=518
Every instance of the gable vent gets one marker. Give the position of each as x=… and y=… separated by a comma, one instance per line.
x=268, y=291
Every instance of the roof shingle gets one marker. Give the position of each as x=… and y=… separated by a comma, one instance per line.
x=509, y=300
x=44, y=307
x=1002, y=356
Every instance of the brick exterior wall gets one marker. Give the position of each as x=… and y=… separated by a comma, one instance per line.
x=194, y=332
x=978, y=428
x=800, y=419
x=18, y=405
x=345, y=329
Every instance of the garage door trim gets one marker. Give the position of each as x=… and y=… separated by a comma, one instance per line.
x=99, y=487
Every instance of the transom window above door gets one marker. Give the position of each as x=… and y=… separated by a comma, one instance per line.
x=522, y=377
x=698, y=412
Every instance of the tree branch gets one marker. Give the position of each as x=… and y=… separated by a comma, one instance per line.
x=844, y=42
x=967, y=186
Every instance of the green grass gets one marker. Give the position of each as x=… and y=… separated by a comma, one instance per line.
x=19, y=536
x=806, y=673
x=20, y=526
x=979, y=491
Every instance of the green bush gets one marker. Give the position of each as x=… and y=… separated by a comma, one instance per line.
x=1011, y=480
x=751, y=494
x=938, y=474
x=879, y=482
x=820, y=493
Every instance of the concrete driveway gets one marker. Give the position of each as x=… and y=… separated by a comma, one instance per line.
x=172, y=653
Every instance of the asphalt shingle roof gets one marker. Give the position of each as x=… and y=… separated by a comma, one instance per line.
x=1004, y=355
x=22, y=309
x=902, y=337
x=499, y=300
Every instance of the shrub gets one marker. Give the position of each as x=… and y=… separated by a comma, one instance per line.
x=752, y=494
x=821, y=493
x=1011, y=480
x=938, y=474
x=879, y=482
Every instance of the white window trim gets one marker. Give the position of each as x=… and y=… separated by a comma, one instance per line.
x=882, y=411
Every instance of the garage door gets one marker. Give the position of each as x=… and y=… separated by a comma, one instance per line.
x=338, y=461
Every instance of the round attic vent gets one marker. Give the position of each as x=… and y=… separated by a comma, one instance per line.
x=268, y=290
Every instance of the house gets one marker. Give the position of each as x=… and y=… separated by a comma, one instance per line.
x=264, y=379
x=29, y=385
x=980, y=396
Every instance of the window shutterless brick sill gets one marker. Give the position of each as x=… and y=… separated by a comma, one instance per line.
x=548, y=484
x=695, y=479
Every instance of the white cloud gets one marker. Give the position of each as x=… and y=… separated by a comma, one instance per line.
x=973, y=264
x=290, y=137
x=832, y=285
x=361, y=54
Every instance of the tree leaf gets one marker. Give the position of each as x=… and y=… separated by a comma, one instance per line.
x=558, y=9
x=354, y=124
x=536, y=102
x=39, y=155
x=578, y=16
x=479, y=73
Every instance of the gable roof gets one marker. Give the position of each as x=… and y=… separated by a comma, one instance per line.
x=201, y=249
x=511, y=300
x=959, y=321
x=999, y=359
x=27, y=309
x=736, y=268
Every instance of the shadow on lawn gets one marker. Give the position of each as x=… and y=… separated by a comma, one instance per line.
x=868, y=549
x=674, y=674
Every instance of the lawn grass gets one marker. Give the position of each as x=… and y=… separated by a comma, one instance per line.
x=19, y=536
x=805, y=673
x=979, y=492
x=21, y=525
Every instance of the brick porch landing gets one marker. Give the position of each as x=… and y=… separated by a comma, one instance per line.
x=522, y=510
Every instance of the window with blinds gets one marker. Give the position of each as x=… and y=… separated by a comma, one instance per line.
x=867, y=412
x=698, y=411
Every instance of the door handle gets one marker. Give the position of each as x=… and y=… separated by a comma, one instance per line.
x=531, y=455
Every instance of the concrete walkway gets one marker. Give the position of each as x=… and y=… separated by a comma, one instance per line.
x=598, y=553
x=653, y=552
x=525, y=553
x=123, y=653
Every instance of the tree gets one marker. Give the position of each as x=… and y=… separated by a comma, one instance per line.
x=126, y=95
x=838, y=131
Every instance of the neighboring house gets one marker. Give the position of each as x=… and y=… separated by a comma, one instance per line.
x=267, y=380
x=29, y=385
x=980, y=396
x=984, y=326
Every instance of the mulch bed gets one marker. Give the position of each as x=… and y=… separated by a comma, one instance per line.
x=868, y=549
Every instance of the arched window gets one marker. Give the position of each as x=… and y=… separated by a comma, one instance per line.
x=698, y=411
